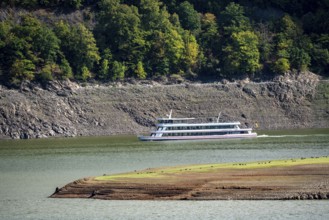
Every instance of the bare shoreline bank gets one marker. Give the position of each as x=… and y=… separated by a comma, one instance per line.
x=67, y=109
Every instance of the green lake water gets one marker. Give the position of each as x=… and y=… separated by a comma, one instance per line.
x=32, y=169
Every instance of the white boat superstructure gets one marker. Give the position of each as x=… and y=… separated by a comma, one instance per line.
x=186, y=129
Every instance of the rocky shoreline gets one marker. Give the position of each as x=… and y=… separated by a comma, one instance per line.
x=268, y=180
x=67, y=109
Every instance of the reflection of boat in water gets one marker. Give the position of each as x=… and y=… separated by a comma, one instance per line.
x=187, y=129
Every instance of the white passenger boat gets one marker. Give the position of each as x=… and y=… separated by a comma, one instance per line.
x=187, y=129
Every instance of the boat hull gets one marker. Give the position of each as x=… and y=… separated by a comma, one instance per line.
x=204, y=137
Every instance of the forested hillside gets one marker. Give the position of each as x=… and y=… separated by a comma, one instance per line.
x=110, y=40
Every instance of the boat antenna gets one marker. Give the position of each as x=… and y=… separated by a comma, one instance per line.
x=169, y=116
x=218, y=116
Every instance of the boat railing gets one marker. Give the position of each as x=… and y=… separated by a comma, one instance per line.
x=191, y=120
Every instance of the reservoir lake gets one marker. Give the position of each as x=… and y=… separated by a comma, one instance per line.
x=30, y=170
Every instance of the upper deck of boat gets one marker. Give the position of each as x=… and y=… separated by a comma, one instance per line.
x=190, y=122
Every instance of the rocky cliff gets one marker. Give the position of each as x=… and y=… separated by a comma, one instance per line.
x=70, y=109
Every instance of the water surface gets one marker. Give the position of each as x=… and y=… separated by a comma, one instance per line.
x=32, y=169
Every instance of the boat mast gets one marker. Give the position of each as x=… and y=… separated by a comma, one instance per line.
x=169, y=116
x=218, y=117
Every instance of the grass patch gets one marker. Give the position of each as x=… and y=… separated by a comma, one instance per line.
x=209, y=168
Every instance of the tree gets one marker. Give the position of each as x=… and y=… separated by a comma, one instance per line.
x=170, y=50
x=6, y=52
x=119, y=29
x=140, y=72
x=118, y=71
x=189, y=18
x=76, y=4
x=85, y=73
x=240, y=45
x=46, y=72
x=320, y=55
x=104, y=70
x=281, y=65
x=209, y=40
x=22, y=69
x=45, y=44
x=191, y=51
x=78, y=46
x=167, y=52
x=242, y=55
x=153, y=16
x=66, y=70
x=300, y=59
x=292, y=46
x=232, y=19
x=209, y=35
x=40, y=45
x=288, y=27
x=29, y=43
x=87, y=49
x=265, y=37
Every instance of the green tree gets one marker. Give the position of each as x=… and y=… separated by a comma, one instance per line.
x=104, y=70
x=140, y=72
x=288, y=27
x=66, y=70
x=28, y=42
x=153, y=16
x=191, y=51
x=240, y=45
x=119, y=29
x=300, y=59
x=22, y=69
x=46, y=44
x=85, y=73
x=118, y=71
x=78, y=46
x=291, y=45
x=76, y=4
x=46, y=72
x=209, y=39
x=243, y=54
x=233, y=19
x=29, y=32
x=209, y=35
x=281, y=65
x=86, y=48
x=266, y=45
x=167, y=50
x=5, y=50
x=320, y=55
x=189, y=18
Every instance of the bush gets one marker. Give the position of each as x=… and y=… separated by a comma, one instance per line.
x=281, y=66
x=176, y=78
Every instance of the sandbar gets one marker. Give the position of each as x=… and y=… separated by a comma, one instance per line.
x=290, y=179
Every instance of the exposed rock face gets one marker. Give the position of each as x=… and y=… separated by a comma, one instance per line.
x=68, y=109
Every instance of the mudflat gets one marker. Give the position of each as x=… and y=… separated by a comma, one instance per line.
x=302, y=178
